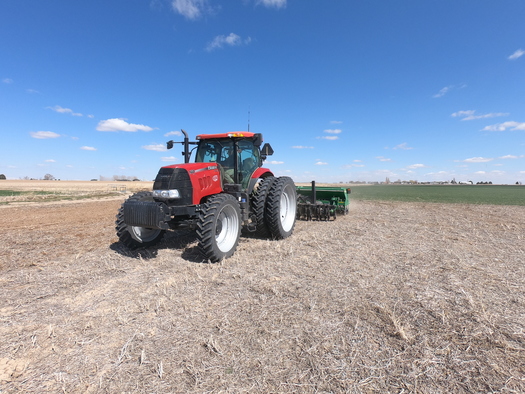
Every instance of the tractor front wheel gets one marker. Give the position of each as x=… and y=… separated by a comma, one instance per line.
x=134, y=236
x=219, y=227
x=281, y=207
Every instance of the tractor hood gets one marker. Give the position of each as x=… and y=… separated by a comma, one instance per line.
x=192, y=181
x=194, y=167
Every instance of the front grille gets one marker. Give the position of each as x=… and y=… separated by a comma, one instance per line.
x=175, y=178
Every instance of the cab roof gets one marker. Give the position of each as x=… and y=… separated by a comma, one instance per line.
x=231, y=134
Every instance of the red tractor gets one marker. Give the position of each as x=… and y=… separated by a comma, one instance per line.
x=224, y=191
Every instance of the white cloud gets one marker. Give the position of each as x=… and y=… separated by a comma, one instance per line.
x=302, y=147
x=272, y=3
x=155, y=147
x=274, y=162
x=414, y=166
x=504, y=126
x=168, y=158
x=508, y=157
x=484, y=116
x=119, y=124
x=231, y=40
x=190, y=9
x=442, y=92
x=381, y=158
x=43, y=135
x=91, y=116
x=50, y=161
x=329, y=137
x=478, y=160
x=437, y=173
x=333, y=131
x=519, y=53
x=7, y=80
x=177, y=133
x=403, y=146
x=88, y=148
x=463, y=113
x=447, y=89
x=353, y=165
x=470, y=115
x=336, y=122
x=480, y=172
x=321, y=163
x=59, y=109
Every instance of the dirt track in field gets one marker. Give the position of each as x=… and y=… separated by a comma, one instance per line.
x=395, y=297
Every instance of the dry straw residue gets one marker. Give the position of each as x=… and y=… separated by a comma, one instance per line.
x=395, y=297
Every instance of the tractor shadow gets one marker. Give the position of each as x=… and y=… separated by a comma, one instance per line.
x=173, y=239
x=182, y=240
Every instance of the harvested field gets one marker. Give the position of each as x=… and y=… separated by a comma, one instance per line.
x=31, y=191
x=73, y=186
x=396, y=297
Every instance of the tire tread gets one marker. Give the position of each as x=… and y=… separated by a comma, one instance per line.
x=206, y=228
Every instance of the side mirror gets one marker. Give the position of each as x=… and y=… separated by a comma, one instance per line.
x=267, y=150
x=257, y=140
x=169, y=144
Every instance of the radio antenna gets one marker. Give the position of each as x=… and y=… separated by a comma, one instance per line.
x=248, y=119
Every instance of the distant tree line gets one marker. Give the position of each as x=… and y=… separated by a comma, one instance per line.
x=103, y=178
x=47, y=177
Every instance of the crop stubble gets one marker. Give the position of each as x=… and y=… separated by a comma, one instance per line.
x=395, y=297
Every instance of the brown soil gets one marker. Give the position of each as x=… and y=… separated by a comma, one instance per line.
x=395, y=298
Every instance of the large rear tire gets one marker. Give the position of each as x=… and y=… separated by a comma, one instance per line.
x=258, y=202
x=219, y=227
x=134, y=236
x=281, y=207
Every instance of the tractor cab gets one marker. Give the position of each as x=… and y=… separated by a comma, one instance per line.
x=238, y=155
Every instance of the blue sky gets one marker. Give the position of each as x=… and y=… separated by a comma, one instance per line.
x=342, y=89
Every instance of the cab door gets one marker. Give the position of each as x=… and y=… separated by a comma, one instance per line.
x=249, y=161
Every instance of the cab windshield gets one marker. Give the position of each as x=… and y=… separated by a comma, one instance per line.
x=222, y=151
x=215, y=151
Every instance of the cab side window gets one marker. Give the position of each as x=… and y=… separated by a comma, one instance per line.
x=249, y=159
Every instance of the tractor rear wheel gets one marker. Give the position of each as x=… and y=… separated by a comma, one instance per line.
x=258, y=202
x=281, y=207
x=219, y=227
x=134, y=236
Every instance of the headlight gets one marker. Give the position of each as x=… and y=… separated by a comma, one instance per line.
x=174, y=193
